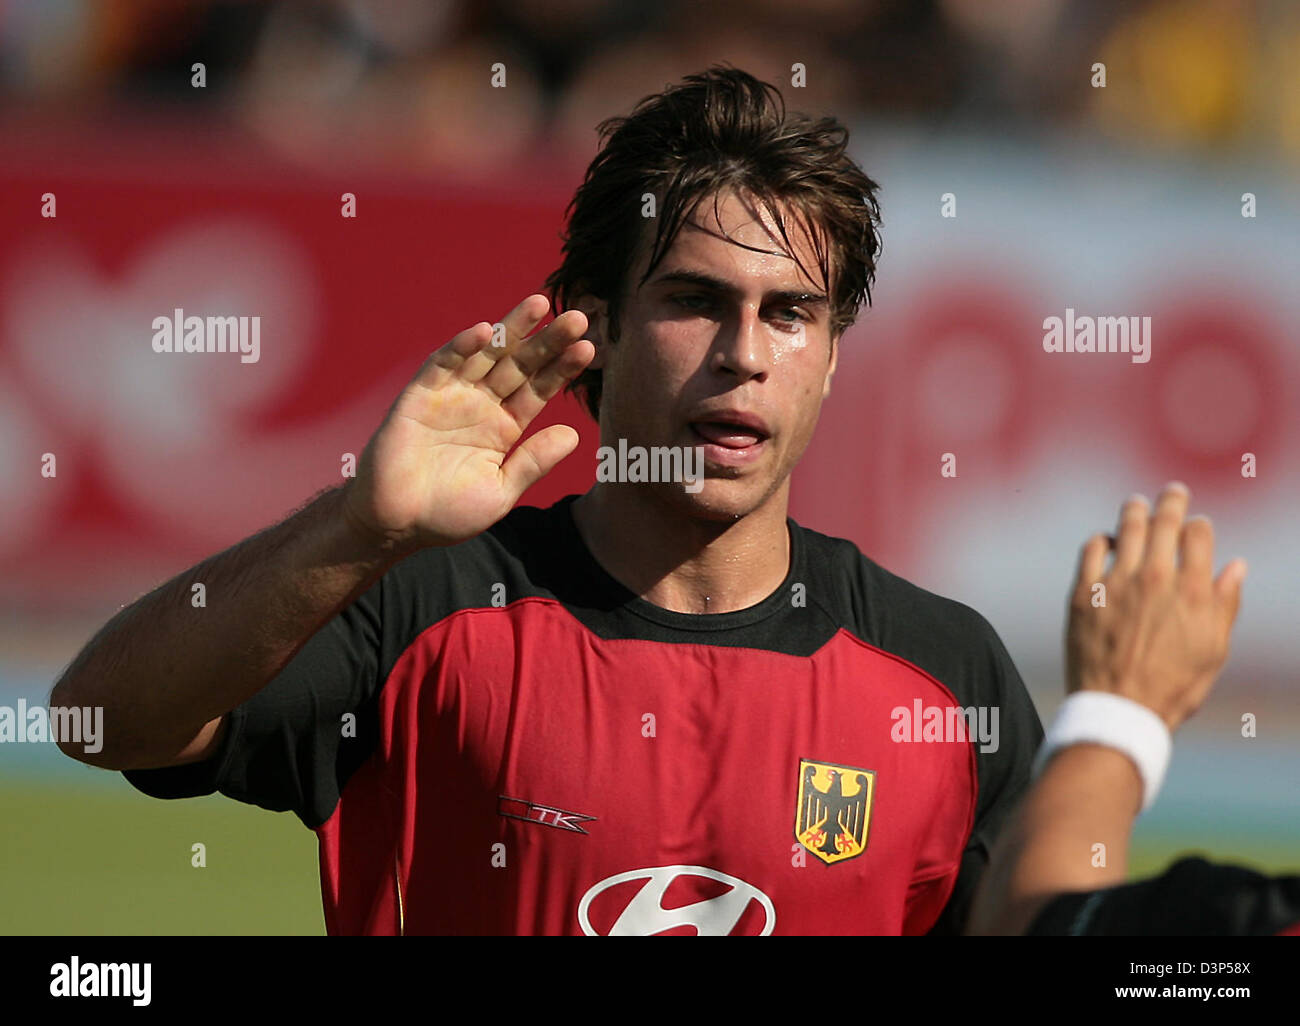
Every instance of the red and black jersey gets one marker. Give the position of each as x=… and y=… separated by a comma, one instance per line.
x=1192, y=897
x=500, y=738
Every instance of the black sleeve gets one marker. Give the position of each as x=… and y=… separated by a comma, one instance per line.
x=1191, y=898
x=286, y=748
x=1004, y=774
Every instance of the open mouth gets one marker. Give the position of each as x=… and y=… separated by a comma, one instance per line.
x=728, y=436
x=726, y=444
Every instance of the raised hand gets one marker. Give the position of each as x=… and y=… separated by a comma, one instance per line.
x=436, y=472
x=1162, y=636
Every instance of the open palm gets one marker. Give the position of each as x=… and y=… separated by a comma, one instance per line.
x=436, y=472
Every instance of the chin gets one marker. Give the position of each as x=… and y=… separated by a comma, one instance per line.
x=721, y=499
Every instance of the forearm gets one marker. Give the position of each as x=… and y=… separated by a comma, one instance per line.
x=1088, y=795
x=164, y=666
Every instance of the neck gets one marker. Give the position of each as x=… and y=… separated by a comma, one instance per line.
x=680, y=562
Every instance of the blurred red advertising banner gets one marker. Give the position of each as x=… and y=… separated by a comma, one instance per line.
x=158, y=459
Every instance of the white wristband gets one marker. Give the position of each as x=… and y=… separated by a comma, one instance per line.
x=1100, y=718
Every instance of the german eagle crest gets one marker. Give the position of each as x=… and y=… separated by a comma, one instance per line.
x=834, y=809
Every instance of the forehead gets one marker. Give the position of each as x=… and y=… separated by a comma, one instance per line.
x=736, y=236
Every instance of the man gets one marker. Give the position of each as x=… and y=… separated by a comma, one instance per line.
x=660, y=707
x=1138, y=665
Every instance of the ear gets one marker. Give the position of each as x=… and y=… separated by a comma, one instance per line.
x=830, y=368
x=597, y=333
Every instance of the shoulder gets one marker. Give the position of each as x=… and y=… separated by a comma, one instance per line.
x=884, y=608
x=523, y=554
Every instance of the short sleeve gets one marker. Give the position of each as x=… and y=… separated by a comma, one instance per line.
x=1004, y=773
x=293, y=745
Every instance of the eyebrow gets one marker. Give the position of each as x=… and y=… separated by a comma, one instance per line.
x=721, y=287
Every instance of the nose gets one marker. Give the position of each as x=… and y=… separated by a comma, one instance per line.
x=742, y=347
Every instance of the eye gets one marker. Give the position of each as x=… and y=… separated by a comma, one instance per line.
x=789, y=317
x=695, y=301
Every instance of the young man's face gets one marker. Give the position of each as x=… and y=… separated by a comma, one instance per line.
x=721, y=333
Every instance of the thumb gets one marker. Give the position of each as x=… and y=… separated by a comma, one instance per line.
x=537, y=457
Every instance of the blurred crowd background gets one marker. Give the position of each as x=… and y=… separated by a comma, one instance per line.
x=400, y=81
x=1171, y=192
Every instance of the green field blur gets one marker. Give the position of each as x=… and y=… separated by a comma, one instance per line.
x=94, y=861
x=77, y=861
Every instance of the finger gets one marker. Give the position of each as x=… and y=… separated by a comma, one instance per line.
x=1131, y=535
x=515, y=325
x=447, y=360
x=1167, y=525
x=1196, y=552
x=1228, y=590
x=536, y=457
x=1092, y=564
x=528, y=400
x=534, y=353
